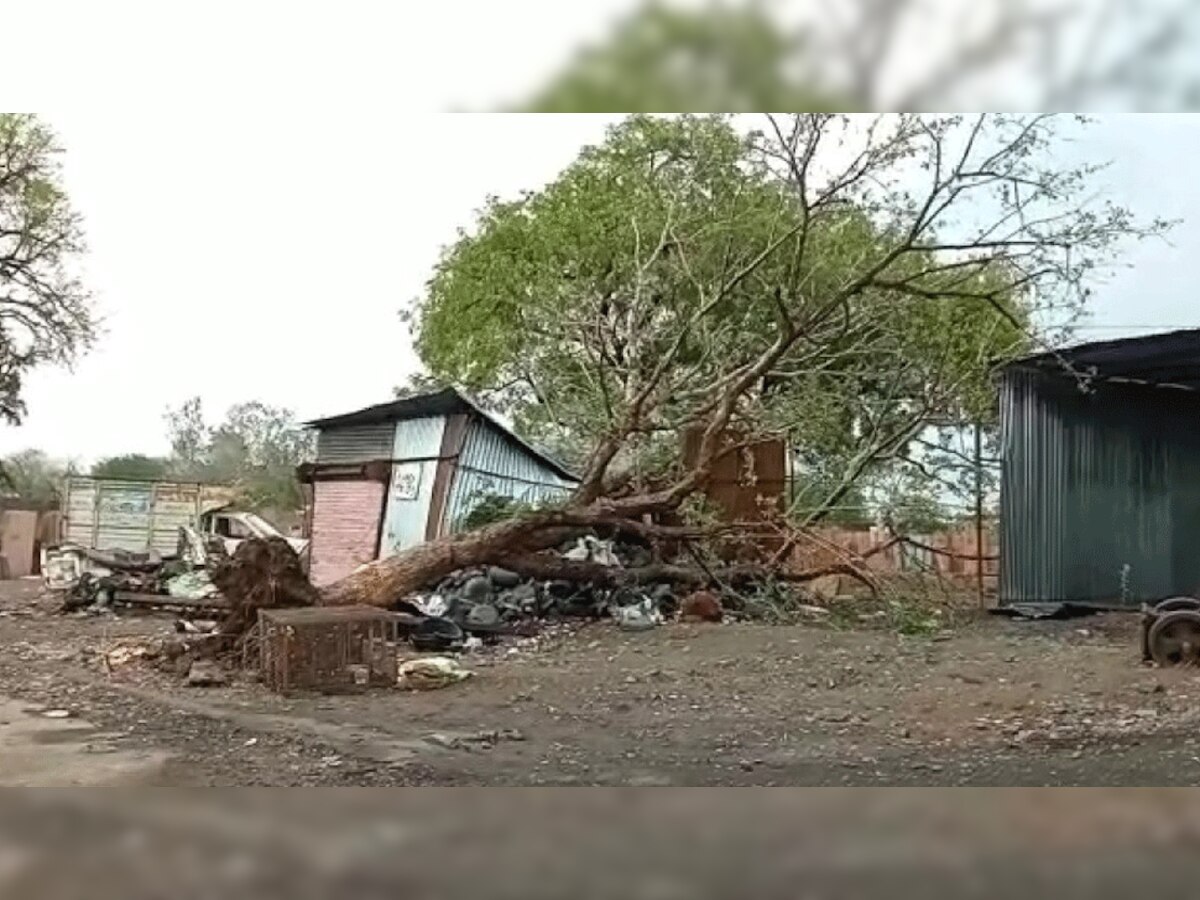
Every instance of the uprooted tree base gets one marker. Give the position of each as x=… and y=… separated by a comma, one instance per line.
x=261, y=574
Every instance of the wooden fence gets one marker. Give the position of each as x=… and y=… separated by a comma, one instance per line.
x=950, y=554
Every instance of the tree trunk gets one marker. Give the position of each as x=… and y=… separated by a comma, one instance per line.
x=382, y=583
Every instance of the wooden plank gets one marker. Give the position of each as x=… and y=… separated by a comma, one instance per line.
x=141, y=599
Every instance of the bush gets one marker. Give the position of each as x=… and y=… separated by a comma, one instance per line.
x=493, y=508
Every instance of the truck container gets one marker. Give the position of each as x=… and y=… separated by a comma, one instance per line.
x=114, y=514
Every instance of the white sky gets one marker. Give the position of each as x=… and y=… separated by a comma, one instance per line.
x=264, y=185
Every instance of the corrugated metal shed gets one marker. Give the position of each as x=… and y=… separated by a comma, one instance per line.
x=446, y=402
x=443, y=454
x=355, y=443
x=345, y=527
x=418, y=443
x=1100, y=498
x=491, y=464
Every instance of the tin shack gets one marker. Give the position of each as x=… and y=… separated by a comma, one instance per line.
x=390, y=476
x=1100, y=491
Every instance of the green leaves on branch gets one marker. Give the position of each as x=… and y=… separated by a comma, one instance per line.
x=45, y=313
x=847, y=282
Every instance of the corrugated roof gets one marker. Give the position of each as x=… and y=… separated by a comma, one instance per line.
x=1171, y=357
x=439, y=403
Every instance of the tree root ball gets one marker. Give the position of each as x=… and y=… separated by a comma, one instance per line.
x=263, y=573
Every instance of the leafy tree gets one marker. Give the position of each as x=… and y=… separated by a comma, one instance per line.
x=844, y=281
x=417, y=384
x=189, y=438
x=256, y=447
x=590, y=283
x=667, y=58
x=45, y=315
x=862, y=54
x=134, y=466
x=34, y=477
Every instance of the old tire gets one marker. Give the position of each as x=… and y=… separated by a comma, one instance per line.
x=1174, y=604
x=1174, y=639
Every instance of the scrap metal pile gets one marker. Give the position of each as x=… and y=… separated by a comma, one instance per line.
x=97, y=580
x=484, y=604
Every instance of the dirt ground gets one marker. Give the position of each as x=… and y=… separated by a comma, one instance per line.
x=994, y=702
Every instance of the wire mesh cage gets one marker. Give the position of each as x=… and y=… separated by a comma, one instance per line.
x=330, y=649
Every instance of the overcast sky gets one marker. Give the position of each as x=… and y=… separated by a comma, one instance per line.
x=257, y=216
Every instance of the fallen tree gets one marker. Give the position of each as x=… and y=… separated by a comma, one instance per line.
x=840, y=282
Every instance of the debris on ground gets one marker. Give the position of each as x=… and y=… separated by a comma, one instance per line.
x=205, y=673
x=430, y=673
x=485, y=740
x=642, y=616
x=701, y=606
x=130, y=652
x=194, y=585
x=97, y=580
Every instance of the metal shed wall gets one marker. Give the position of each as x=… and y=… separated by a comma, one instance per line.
x=1100, y=497
x=355, y=443
x=417, y=444
x=492, y=464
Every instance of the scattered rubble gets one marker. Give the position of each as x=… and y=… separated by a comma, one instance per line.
x=205, y=673
x=430, y=673
x=96, y=580
x=701, y=606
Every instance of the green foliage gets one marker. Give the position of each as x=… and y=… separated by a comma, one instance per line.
x=561, y=302
x=846, y=284
x=492, y=508
x=45, y=314
x=417, y=384
x=256, y=448
x=134, y=466
x=663, y=58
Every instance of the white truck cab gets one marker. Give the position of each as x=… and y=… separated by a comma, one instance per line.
x=233, y=527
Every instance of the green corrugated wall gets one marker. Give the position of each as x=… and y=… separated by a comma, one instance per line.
x=1100, y=498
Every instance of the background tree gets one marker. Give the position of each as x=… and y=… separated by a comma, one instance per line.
x=134, y=466
x=884, y=54
x=844, y=281
x=34, y=477
x=256, y=447
x=45, y=315
x=416, y=384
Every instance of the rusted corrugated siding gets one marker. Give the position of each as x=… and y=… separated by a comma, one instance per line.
x=747, y=484
x=492, y=464
x=355, y=443
x=345, y=527
x=1100, y=498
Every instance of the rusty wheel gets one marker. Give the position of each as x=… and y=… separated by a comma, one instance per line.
x=1174, y=638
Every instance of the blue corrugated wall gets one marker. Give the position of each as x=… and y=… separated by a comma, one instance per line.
x=416, y=445
x=492, y=464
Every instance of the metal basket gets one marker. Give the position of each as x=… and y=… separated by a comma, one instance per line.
x=327, y=648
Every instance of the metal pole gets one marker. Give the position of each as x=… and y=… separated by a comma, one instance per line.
x=979, y=512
